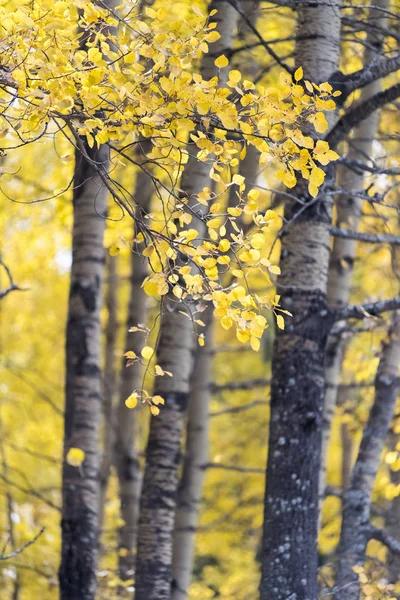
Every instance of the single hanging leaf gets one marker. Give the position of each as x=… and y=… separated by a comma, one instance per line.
x=75, y=457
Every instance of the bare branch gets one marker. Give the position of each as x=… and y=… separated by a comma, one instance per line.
x=375, y=70
x=24, y=547
x=370, y=309
x=240, y=385
x=369, y=238
x=237, y=409
x=234, y=468
x=271, y=52
x=12, y=287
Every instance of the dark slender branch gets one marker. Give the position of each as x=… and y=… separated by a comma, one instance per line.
x=12, y=287
x=30, y=492
x=236, y=409
x=24, y=547
x=234, y=468
x=360, y=113
x=386, y=539
x=240, y=385
x=267, y=47
x=359, y=167
x=369, y=238
x=370, y=309
x=375, y=70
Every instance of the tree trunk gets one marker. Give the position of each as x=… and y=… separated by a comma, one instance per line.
x=109, y=383
x=356, y=525
x=80, y=486
x=349, y=208
x=289, y=545
x=127, y=463
x=190, y=488
x=393, y=519
x=175, y=354
x=196, y=454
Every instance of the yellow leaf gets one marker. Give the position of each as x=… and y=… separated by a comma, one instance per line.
x=94, y=55
x=298, y=74
x=147, y=352
x=255, y=343
x=226, y=322
x=213, y=36
x=177, y=291
x=151, y=288
x=243, y=336
x=130, y=354
x=200, y=340
x=132, y=401
x=274, y=269
x=320, y=123
x=221, y=62
x=235, y=76
x=114, y=250
x=224, y=245
x=158, y=400
x=154, y=410
x=280, y=321
x=75, y=457
x=253, y=195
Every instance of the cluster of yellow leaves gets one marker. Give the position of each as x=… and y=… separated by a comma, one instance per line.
x=121, y=80
x=373, y=583
x=146, y=354
x=136, y=79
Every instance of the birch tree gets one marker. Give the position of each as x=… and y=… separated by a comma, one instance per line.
x=349, y=207
x=83, y=385
x=174, y=354
x=127, y=461
x=356, y=526
x=289, y=549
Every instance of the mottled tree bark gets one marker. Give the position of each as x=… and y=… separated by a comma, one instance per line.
x=127, y=463
x=349, y=208
x=289, y=545
x=109, y=383
x=356, y=526
x=80, y=486
x=174, y=354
